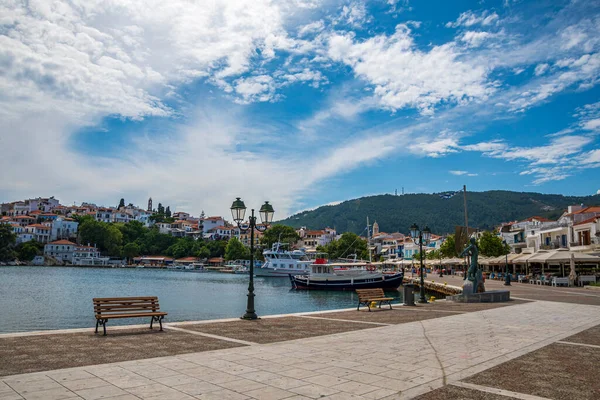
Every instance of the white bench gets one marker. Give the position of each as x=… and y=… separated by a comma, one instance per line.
x=556, y=281
x=586, y=278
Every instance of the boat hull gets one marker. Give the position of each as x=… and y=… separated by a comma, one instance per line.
x=279, y=273
x=385, y=282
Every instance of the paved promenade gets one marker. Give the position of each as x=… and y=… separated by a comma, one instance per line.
x=439, y=358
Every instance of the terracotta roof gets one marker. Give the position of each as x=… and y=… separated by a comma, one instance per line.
x=587, y=221
x=215, y=259
x=23, y=217
x=592, y=209
x=65, y=242
x=39, y=226
x=213, y=218
x=187, y=259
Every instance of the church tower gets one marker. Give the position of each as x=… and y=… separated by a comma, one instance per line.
x=150, y=204
x=375, y=228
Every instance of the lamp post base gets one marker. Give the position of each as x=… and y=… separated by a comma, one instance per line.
x=249, y=316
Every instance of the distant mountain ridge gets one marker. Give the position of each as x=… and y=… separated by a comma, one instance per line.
x=440, y=211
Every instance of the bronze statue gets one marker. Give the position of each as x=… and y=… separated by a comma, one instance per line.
x=474, y=274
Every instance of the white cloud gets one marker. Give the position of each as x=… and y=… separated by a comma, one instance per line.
x=469, y=18
x=255, y=88
x=540, y=69
x=475, y=38
x=313, y=27
x=404, y=76
x=598, y=192
x=355, y=14
x=458, y=172
x=435, y=147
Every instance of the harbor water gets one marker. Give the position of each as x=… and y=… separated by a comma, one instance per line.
x=41, y=298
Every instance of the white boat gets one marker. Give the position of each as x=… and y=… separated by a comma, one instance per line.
x=327, y=277
x=282, y=262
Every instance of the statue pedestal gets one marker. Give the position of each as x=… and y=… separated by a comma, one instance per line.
x=468, y=287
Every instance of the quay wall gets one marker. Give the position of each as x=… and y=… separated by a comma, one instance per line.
x=444, y=288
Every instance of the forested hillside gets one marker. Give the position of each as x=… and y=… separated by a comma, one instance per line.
x=396, y=213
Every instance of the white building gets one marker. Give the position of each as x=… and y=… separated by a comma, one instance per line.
x=211, y=223
x=40, y=233
x=64, y=228
x=61, y=250
x=88, y=255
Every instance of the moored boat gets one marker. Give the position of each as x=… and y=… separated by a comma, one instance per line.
x=280, y=262
x=326, y=277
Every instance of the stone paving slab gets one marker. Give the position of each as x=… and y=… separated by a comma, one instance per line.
x=270, y=330
x=589, y=336
x=398, y=315
x=387, y=362
x=48, y=352
x=458, y=393
x=559, y=371
x=575, y=295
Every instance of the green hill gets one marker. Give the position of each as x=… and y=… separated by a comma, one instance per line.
x=397, y=213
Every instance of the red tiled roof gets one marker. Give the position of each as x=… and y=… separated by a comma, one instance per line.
x=587, y=221
x=213, y=218
x=65, y=242
x=23, y=217
x=39, y=226
x=592, y=209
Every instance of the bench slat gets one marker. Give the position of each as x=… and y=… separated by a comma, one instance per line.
x=108, y=299
x=150, y=314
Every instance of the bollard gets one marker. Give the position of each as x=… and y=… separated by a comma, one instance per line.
x=409, y=294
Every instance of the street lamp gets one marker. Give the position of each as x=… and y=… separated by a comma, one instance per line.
x=423, y=236
x=238, y=210
x=507, y=277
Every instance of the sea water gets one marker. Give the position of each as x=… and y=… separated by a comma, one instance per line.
x=40, y=298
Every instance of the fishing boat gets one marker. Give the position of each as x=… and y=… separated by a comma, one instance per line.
x=281, y=262
x=328, y=277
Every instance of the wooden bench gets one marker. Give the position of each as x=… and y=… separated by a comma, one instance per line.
x=127, y=307
x=366, y=296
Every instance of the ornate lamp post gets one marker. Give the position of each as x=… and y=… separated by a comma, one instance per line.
x=423, y=237
x=507, y=277
x=238, y=209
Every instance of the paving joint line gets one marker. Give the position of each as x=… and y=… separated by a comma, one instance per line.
x=244, y=342
x=347, y=320
x=501, y=392
x=579, y=344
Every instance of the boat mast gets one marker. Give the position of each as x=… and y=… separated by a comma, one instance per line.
x=369, y=238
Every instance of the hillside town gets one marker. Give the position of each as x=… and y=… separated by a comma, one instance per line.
x=55, y=226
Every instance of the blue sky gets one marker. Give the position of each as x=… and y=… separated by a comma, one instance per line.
x=302, y=102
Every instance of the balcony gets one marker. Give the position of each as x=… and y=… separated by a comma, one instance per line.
x=594, y=244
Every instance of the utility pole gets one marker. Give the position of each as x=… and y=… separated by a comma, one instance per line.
x=369, y=238
x=466, y=224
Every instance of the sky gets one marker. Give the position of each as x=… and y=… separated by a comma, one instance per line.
x=299, y=102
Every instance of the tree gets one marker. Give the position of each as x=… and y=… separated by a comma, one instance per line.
x=28, y=250
x=348, y=244
x=168, y=212
x=106, y=236
x=490, y=245
x=121, y=203
x=448, y=248
x=203, y=252
x=279, y=233
x=217, y=247
x=7, y=243
x=131, y=250
x=161, y=209
x=235, y=250
x=132, y=231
